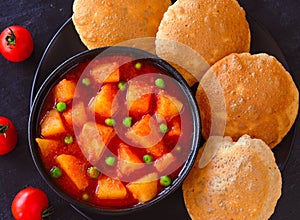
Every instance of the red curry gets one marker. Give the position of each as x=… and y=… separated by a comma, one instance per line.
x=115, y=132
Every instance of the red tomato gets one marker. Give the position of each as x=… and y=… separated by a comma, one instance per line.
x=16, y=43
x=30, y=204
x=8, y=135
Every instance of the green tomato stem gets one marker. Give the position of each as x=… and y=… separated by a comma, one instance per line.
x=11, y=38
x=47, y=212
x=3, y=129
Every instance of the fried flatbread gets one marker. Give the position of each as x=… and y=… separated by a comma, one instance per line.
x=110, y=22
x=248, y=94
x=212, y=28
x=240, y=181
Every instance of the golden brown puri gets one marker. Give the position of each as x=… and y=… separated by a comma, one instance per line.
x=109, y=22
x=241, y=181
x=248, y=94
x=212, y=28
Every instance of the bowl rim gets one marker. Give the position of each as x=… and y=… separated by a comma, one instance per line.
x=58, y=73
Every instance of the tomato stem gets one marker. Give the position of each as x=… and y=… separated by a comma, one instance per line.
x=11, y=38
x=47, y=212
x=3, y=129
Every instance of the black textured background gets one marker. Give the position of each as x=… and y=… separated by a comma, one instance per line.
x=43, y=18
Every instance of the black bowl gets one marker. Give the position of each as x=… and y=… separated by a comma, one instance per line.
x=58, y=74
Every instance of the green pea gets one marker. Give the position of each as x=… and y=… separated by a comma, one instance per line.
x=55, y=172
x=163, y=128
x=138, y=65
x=86, y=81
x=165, y=181
x=110, y=122
x=127, y=122
x=122, y=86
x=110, y=161
x=68, y=139
x=160, y=83
x=61, y=106
x=85, y=196
x=93, y=172
x=147, y=158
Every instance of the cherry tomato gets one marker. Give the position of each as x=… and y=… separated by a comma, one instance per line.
x=30, y=204
x=16, y=43
x=8, y=135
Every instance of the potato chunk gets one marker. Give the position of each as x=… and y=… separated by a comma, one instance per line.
x=168, y=106
x=106, y=73
x=47, y=146
x=164, y=162
x=138, y=99
x=67, y=115
x=128, y=161
x=175, y=128
x=157, y=150
x=145, y=132
x=52, y=124
x=64, y=90
x=145, y=188
x=75, y=169
x=76, y=115
x=109, y=188
x=103, y=102
x=93, y=139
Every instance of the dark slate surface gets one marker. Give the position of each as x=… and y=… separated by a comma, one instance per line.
x=43, y=19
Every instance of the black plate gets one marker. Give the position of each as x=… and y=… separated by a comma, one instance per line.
x=67, y=43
